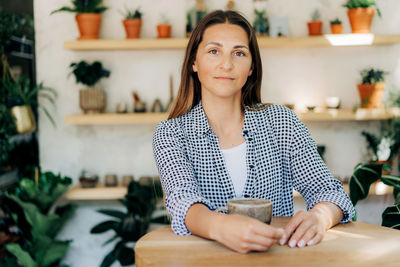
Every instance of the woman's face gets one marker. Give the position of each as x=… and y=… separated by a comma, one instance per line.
x=223, y=61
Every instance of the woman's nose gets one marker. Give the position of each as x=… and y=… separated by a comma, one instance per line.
x=226, y=62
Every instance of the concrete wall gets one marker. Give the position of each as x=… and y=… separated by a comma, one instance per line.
x=300, y=75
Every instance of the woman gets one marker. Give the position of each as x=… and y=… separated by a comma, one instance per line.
x=220, y=143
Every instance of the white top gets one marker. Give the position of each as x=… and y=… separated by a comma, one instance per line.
x=235, y=160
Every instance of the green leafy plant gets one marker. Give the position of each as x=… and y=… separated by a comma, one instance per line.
x=88, y=74
x=351, y=4
x=133, y=14
x=21, y=92
x=386, y=145
x=83, y=6
x=31, y=205
x=260, y=24
x=373, y=76
x=336, y=21
x=366, y=174
x=316, y=15
x=140, y=203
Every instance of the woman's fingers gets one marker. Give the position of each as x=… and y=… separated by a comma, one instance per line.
x=292, y=226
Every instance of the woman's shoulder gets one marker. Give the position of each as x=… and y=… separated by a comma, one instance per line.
x=175, y=125
x=277, y=114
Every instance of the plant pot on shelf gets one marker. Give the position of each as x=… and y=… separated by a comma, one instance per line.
x=337, y=28
x=92, y=100
x=132, y=28
x=371, y=94
x=89, y=25
x=385, y=162
x=24, y=119
x=314, y=28
x=361, y=19
x=164, y=30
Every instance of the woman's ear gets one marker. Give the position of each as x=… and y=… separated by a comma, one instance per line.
x=251, y=70
x=194, y=67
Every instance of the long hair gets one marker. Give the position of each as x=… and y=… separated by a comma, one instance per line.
x=189, y=93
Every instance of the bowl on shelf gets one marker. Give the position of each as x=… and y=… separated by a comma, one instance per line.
x=88, y=179
x=332, y=102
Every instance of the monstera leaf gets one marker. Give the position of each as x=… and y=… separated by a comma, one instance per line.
x=363, y=176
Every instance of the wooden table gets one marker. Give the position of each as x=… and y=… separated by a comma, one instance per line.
x=351, y=244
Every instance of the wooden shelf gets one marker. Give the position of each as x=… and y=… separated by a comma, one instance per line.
x=264, y=42
x=115, y=119
x=113, y=193
x=145, y=118
x=99, y=192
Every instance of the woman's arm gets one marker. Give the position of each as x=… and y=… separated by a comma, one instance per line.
x=237, y=232
x=308, y=228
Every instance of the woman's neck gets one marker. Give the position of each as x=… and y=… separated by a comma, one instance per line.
x=224, y=115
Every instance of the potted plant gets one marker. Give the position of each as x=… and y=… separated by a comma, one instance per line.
x=315, y=25
x=92, y=99
x=366, y=174
x=385, y=147
x=361, y=13
x=133, y=23
x=140, y=203
x=371, y=87
x=164, y=28
x=336, y=26
x=32, y=206
x=88, y=16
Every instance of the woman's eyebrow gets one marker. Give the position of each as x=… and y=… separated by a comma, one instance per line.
x=220, y=45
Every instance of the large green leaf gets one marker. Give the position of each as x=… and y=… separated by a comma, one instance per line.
x=391, y=217
x=114, y=213
x=23, y=257
x=44, y=224
x=104, y=226
x=364, y=175
x=109, y=259
x=395, y=182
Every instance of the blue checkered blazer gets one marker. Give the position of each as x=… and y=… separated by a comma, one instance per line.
x=281, y=155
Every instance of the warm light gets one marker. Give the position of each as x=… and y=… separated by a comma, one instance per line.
x=350, y=39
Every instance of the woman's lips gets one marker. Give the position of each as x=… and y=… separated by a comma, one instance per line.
x=224, y=78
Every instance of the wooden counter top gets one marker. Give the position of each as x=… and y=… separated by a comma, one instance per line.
x=351, y=244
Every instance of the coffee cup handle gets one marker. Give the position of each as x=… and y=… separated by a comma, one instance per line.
x=224, y=208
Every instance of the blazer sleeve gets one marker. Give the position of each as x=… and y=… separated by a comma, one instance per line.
x=176, y=174
x=311, y=177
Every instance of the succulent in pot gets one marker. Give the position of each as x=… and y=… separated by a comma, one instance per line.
x=315, y=25
x=88, y=16
x=361, y=13
x=336, y=26
x=92, y=100
x=371, y=88
x=133, y=23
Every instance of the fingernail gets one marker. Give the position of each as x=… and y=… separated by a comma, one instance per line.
x=309, y=243
x=292, y=243
x=301, y=243
x=282, y=241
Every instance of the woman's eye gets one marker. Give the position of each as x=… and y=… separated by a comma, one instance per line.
x=239, y=53
x=213, y=51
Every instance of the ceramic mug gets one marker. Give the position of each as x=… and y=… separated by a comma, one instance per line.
x=258, y=208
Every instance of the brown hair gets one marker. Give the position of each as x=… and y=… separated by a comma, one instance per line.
x=189, y=93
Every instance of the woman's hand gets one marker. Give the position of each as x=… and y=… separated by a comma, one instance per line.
x=244, y=234
x=309, y=228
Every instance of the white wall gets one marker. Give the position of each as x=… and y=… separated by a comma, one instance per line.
x=302, y=75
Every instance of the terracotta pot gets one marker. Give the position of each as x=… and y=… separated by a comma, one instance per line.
x=371, y=94
x=132, y=28
x=89, y=25
x=336, y=28
x=314, y=27
x=164, y=30
x=361, y=19
x=92, y=100
x=384, y=162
